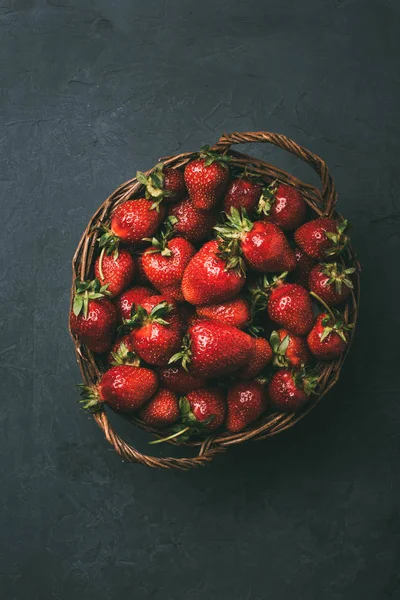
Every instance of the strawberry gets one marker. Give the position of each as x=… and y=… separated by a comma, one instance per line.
x=210, y=279
x=328, y=338
x=206, y=179
x=290, y=306
x=115, y=270
x=289, y=350
x=132, y=221
x=123, y=388
x=163, y=183
x=211, y=348
x=128, y=301
x=331, y=282
x=282, y=205
x=155, y=330
x=260, y=357
x=242, y=193
x=263, y=245
x=304, y=264
x=246, y=402
x=290, y=390
x=322, y=237
x=140, y=274
x=161, y=410
x=178, y=380
x=235, y=312
x=123, y=353
x=191, y=223
x=93, y=318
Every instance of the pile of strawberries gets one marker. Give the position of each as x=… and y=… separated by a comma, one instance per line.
x=207, y=298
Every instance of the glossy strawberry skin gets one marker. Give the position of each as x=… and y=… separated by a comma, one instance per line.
x=161, y=410
x=194, y=225
x=242, y=193
x=205, y=184
x=266, y=249
x=167, y=271
x=97, y=329
x=312, y=238
x=134, y=220
x=206, y=280
x=174, y=183
x=130, y=298
x=288, y=210
x=217, y=349
x=319, y=284
x=304, y=265
x=284, y=395
x=246, y=403
x=125, y=342
x=207, y=403
x=118, y=272
x=329, y=348
x=235, y=312
x=179, y=381
x=126, y=388
x=140, y=275
x=297, y=352
x=290, y=306
x=260, y=357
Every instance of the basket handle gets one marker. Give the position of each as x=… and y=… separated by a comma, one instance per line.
x=328, y=192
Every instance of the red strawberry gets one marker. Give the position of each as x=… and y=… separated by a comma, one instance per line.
x=290, y=390
x=190, y=223
x=165, y=262
x=289, y=350
x=290, y=306
x=282, y=205
x=140, y=274
x=93, y=318
x=208, y=278
x=123, y=388
x=161, y=410
x=129, y=300
x=328, y=339
x=264, y=246
x=235, y=312
x=163, y=183
x=260, y=357
x=115, y=270
x=207, y=407
x=123, y=353
x=331, y=282
x=178, y=380
x=242, y=193
x=246, y=402
x=156, y=330
x=304, y=264
x=206, y=179
x=212, y=348
x=322, y=237
x=132, y=221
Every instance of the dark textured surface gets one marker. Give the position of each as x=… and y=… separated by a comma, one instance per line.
x=91, y=91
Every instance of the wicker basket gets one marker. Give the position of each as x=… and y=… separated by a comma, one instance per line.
x=322, y=202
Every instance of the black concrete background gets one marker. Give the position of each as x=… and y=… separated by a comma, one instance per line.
x=92, y=90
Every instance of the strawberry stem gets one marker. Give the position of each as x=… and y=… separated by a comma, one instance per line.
x=170, y=437
x=324, y=304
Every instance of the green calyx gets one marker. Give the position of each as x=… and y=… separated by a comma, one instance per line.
x=154, y=184
x=124, y=356
x=305, y=380
x=90, y=398
x=85, y=291
x=335, y=323
x=187, y=425
x=279, y=348
x=211, y=156
x=260, y=293
x=267, y=199
x=339, y=239
x=184, y=356
x=338, y=275
x=160, y=243
x=229, y=236
x=108, y=241
x=140, y=317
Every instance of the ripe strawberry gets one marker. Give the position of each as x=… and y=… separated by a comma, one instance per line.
x=282, y=205
x=210, y=279
x=123, y=388
x=328, y=339
x=93, y=317
x=123, y=353
x=180, y=381
x=289, y=350
x=132, y=221
x=163, y=183
x=140, y=274
x=235, y=312
x=155, y=330
x=211, y=349
x=290, y=390
x=263, y=245
x=304, y=264
x=115, y=270
x=189, y=222
x=246, y=402
x=206, y=179
x=331, y=282
x=290, y=306
x=260, y=357
x=322, y=237
x=128, y=301
x=161, y=410
x=242, y=193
